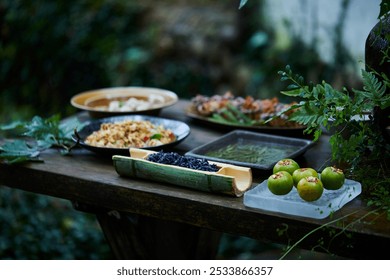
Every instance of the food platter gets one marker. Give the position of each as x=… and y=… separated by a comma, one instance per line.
x=107, y=102
x=180, y=129
x=235, y=112
x=191, y=113
x=252, y=149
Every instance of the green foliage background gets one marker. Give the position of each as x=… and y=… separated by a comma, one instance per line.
x=38, y=228
x=53, y=49
x=50, y=50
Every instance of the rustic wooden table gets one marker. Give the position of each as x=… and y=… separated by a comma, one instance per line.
x=142, y=219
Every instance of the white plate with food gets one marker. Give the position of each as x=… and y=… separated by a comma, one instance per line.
x=124, y=101
x=115, y=135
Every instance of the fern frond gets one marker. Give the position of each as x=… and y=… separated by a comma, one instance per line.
x=374, y=88
x=308, y=114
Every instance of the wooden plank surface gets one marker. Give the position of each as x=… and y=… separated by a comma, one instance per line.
x=91, y=180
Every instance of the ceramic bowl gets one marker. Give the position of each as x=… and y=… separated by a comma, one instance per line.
x=108, y=102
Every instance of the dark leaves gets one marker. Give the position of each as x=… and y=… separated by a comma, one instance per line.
x=322, y=106
x=19, y=151
x=41, y=134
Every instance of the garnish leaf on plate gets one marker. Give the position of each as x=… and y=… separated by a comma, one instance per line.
x=156, y=136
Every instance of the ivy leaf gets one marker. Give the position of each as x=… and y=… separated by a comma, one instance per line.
x=46, y=133
x=19, y=151
x=66, y=129
x=43, y=129
x=12, y=126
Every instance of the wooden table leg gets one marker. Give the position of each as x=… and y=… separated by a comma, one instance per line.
x=133, y=236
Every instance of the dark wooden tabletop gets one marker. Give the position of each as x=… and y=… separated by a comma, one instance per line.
x=84, y=177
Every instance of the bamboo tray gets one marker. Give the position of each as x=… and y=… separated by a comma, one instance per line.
x=229, y=179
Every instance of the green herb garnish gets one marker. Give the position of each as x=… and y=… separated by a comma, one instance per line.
x=156, y=136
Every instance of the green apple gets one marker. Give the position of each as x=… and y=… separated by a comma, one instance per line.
x=280, y=183
x=286, y=164
x=332, y=178
x=310, y=188
x=301, y=173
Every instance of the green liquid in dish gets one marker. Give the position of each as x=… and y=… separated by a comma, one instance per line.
x=252, y=153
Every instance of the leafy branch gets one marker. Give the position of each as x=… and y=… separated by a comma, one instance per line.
x=40, y=134
x=325, y=225
x=322, y=106
x=358, y=144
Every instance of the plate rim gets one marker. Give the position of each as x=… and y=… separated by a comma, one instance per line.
x=174, y=98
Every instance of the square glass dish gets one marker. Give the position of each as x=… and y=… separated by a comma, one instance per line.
x=251, y=149
x=331, y=200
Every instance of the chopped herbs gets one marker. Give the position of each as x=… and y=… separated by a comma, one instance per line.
x=252, y=153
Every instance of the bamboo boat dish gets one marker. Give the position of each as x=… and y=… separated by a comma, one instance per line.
x=229, y=179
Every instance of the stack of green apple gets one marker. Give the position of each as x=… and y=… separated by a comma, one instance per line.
x=310, y=186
